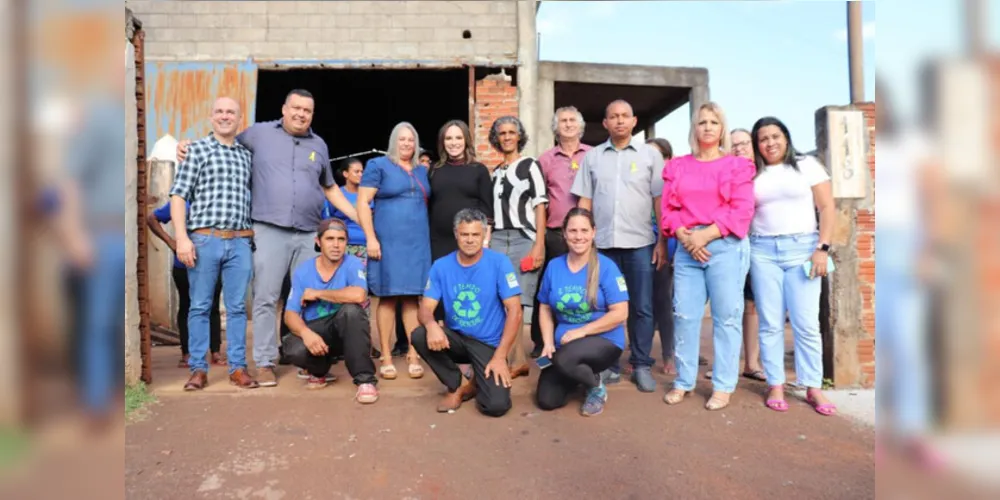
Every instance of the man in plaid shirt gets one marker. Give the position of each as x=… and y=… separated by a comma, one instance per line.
x=216, y=236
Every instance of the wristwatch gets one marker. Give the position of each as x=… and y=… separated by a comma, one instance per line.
x=823, y=247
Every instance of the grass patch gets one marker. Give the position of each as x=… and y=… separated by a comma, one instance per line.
x=14, y=444
x=136, y=398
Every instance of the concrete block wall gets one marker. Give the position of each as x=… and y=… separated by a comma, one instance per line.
x=496, y=96
x=329, y=30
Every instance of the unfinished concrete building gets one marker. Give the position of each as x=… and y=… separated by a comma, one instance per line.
x=374, y=64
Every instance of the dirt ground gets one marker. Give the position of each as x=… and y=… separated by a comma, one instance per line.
x=287, y=442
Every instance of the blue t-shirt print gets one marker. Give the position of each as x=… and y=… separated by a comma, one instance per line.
x=350, y=273
x=473, y=296
x=566, y=293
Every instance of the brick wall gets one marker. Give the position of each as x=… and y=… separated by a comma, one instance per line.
x=496, y=96
x=866, y=263
x=329, y=30
x=989, y=256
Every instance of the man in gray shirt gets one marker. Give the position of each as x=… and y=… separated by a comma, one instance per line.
x=621, y=183
x=291, y=181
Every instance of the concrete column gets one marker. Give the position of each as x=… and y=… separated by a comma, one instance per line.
x=163, y=300
x=849, y=335
x=527, y=74
x=12, y=392
x=133, y=359
x=699, y=95
x=650, y=131
x=544, y=138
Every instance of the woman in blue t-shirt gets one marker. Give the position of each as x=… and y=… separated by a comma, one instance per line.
x=584, y=305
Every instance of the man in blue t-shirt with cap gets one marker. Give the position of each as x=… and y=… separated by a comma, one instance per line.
x=324, y=311
x=482, y=303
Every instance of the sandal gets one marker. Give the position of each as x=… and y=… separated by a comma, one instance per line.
x=778, y=405
x=757, y=375
x=715, y=403
x=675, y=396
x=415, y=370
x=183, y=362
x=387, y=371
x=825, y=409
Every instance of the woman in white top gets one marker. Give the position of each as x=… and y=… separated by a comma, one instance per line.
x=788, y=259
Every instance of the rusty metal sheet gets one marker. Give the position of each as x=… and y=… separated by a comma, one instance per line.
x=179, y=96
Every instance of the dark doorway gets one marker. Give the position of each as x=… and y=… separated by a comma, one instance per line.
x=356, y=109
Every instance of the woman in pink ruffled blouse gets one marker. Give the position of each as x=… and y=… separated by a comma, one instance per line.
x=708, y=203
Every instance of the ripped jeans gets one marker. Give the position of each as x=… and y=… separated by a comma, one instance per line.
x=720, y=281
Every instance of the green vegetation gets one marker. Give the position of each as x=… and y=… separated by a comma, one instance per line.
x=136, y=397
x=13, y=445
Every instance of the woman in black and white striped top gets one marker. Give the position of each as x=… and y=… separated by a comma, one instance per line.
x=519, y=202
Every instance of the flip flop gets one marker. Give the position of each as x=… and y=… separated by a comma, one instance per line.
x=758, y=375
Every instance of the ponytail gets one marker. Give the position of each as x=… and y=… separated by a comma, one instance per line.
x=593, y=277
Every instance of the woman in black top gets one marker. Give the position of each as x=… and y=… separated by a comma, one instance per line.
x=457, y=182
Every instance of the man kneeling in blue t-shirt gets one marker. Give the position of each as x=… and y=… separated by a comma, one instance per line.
x=482, y=304
x=324, y=311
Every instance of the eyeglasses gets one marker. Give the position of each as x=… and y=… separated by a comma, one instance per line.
x=744, y=144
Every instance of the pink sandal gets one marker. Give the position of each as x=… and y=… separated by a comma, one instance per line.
x=826, y=409
x=778, y=405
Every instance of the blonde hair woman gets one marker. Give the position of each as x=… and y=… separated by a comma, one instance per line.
x=708, y=203
x=397, y=234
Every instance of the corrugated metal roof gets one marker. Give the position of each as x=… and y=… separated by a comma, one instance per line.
x=180, y=96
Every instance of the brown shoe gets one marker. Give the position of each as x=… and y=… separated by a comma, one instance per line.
x=197, y=382
x=240, y=378
x=520, y=371
x=267, y=377
x=453, y=400
x=183, y=362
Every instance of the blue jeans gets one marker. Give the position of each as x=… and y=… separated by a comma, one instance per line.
x=903, y=387
x=233, y=258
x=637, y=267
x=721, y=280
x=102, y=326
x=780, y=284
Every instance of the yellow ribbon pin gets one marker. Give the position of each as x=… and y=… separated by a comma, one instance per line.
x=634, y=168
x=312, y=157
x=575, y=165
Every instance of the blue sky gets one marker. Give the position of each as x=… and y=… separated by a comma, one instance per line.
x=785, y=59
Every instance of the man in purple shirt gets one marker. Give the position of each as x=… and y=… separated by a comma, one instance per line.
x=559, y=167
x=290, y=184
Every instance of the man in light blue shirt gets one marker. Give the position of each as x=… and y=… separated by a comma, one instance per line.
x=621, y=183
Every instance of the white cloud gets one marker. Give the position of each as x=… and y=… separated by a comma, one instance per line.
x=867, y=31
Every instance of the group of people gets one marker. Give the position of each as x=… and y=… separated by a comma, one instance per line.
x=606, y=244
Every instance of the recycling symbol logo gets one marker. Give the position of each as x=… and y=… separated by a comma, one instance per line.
x=466, y=305
x=570, y=301
x=573, y=307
